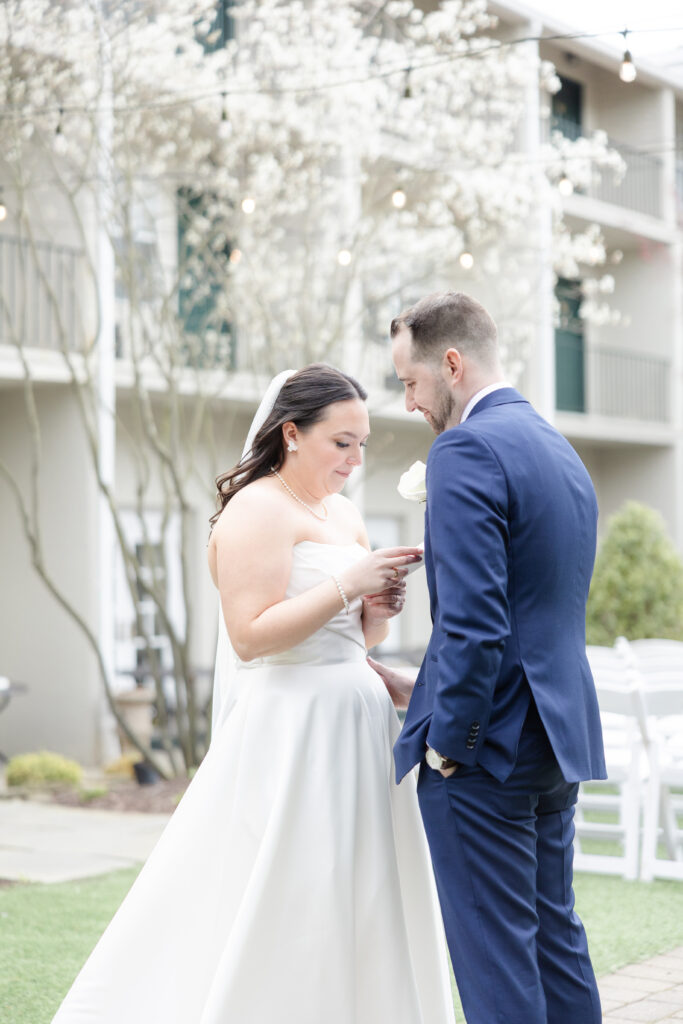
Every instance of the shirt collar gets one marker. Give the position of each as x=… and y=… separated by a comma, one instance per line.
x=489, y=389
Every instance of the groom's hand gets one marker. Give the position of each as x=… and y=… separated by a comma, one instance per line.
x=377, y=608
x=400, y=686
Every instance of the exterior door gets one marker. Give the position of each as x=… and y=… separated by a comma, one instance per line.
x=570, y=388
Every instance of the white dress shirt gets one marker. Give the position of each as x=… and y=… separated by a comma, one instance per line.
x=482, y=394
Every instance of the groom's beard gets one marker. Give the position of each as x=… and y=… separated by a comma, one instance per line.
x=443, y=414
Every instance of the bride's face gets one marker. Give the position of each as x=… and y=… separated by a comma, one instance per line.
x=332, y=448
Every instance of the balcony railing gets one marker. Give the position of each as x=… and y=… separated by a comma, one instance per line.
x=611, y=382
x=39, y=284
x=641, y=187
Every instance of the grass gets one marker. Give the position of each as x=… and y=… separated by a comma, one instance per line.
x=47, y=931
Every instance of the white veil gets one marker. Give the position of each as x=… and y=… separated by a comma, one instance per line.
x=224, y=689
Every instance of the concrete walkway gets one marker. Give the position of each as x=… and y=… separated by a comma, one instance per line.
x=43, y=842
x=650, y=991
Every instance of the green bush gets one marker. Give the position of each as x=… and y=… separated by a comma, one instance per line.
x=43, y=768
x=637, y=587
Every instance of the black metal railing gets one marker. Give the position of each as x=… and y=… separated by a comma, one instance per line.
x=39, y=287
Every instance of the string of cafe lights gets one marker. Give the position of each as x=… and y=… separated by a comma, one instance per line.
x=627, y=73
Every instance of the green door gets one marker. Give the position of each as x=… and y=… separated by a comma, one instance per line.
x=569, y=350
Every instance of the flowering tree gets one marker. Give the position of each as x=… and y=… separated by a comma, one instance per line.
x=276, y=179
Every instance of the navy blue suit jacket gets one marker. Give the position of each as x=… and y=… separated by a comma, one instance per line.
x=510, y=536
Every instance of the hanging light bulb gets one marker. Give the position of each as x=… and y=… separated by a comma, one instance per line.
x=466, y=260
x=59, y=142
x=398, y=198
x=3, y=208
x=344, y=257
x=248, y=205
x=627, y=71
x=225, y=126
x=235, y=256
x=565, y=186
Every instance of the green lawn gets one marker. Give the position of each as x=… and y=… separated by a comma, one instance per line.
x=46, y=932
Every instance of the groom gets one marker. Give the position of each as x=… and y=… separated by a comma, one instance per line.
x=503, y=719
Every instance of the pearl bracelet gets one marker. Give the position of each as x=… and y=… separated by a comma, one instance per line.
x=342, y=594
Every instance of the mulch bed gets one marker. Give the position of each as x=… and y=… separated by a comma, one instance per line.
x=122, y=795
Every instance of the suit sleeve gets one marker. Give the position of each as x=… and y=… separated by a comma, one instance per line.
x=467, y=511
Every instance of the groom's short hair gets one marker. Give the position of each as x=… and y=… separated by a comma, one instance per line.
x=445, y=320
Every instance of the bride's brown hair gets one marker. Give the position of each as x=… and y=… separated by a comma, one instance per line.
x=302, y=400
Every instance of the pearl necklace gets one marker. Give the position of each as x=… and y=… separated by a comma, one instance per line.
x=301, y=501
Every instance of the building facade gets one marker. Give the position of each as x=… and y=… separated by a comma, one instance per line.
x=614, y=390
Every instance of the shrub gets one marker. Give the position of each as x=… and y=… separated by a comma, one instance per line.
x=637, y=587
x=43, y=768
x=94, y=793
x=123, y=765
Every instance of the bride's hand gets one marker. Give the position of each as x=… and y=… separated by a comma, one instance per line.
x=377, y=608
x=378, y=571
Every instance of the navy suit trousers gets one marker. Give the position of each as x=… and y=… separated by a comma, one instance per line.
x=502, y=855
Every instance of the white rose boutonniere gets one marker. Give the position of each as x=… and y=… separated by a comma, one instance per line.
x=413, y=483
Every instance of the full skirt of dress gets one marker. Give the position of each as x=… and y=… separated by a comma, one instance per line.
x=292, y=885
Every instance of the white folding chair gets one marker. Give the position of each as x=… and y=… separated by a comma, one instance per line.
x=619, y=796
x=659, y=666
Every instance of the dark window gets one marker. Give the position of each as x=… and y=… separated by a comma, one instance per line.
x=203, y=276
x=223, y=27
x=567, y=109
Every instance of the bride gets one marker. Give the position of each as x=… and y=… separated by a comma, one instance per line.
x=292, y=885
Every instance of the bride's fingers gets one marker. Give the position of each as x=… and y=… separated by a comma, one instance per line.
x=406, y=553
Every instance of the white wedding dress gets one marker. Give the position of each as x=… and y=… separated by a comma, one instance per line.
x=293, y=883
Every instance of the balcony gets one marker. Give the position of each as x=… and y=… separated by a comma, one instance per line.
x=39, y=295
x=641, y=187
x=609, y=382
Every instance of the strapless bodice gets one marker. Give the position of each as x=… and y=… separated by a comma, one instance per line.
x=341, y=638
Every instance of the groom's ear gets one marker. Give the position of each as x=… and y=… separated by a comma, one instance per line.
x=452, y=365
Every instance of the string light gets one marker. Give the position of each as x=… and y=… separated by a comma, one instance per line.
x=627, y=71
x=235, y=256
x=248, y=205
x=466, y=260
x=59, y=142
x=398, y=198
x=225, y=126
x=3, y=208
x=344, y=257
x=565, y=186
x=388, y=72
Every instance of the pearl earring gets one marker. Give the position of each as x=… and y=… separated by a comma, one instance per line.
x=292, y=446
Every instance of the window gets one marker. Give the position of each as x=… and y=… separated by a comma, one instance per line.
x=203, y=254
x=222, y=29
x=567, y=109
x=142, y=645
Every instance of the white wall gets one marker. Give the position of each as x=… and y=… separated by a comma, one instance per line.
x=39, y=644
x=632, y=473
